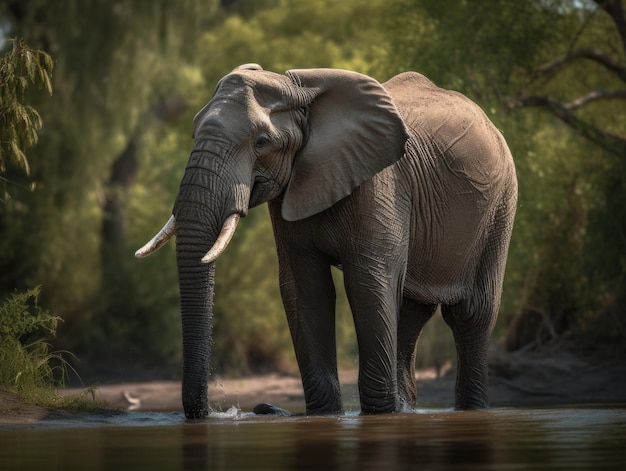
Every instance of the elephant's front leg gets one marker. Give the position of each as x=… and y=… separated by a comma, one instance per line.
x=308, y=294
x=374, y=302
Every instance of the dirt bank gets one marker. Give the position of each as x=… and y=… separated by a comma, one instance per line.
x=534, y=377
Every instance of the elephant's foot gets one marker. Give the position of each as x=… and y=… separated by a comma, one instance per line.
x=380, y=405
x=388, y=409
x=269, y=409
x=465, y=402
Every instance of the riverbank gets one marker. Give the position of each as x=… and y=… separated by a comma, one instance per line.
x=535, y=377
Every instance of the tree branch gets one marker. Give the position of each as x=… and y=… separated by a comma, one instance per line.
x=610, y=63
x=594, y=96
x=612, y=142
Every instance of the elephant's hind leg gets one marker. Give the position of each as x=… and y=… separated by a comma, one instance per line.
x=473, y=319
x=472, y=328
x=412, y=319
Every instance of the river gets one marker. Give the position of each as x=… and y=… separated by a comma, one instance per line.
x=568, y=438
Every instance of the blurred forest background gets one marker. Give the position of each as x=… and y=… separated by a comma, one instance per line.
x=129, y=75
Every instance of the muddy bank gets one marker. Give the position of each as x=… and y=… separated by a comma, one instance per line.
x=533, y=377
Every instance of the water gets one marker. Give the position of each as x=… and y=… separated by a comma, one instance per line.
x=574, y=438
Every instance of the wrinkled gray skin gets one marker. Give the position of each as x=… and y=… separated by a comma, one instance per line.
x=409, y=187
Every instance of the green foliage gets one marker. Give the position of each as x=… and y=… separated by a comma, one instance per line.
x=19, y=68
x=568, y=256
x=293, y=34
x=27, y=364
x=566, y=262
x=480, y=49
x=119, y=68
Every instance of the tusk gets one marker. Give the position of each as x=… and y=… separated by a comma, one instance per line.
x=226, y=234
x=158, y=240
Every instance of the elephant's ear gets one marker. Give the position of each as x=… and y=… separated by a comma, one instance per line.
x=355, y=131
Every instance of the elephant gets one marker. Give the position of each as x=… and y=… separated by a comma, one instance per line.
x=407, y=187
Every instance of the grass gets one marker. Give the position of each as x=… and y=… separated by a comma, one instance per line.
x=28, y=365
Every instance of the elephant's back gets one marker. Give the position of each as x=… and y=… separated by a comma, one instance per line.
x=447, y=124
x=464, y=171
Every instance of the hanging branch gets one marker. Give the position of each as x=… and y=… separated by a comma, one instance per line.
x=19, y=123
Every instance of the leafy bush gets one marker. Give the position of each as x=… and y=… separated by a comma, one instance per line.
x=27, y=364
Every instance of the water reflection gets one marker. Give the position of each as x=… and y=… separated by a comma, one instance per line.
x=580, y=438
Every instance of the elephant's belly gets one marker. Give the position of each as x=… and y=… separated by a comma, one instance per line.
x=435, y=289
x=446, y=248
x=445, y=274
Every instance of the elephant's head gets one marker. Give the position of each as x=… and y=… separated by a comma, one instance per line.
x=309, y=136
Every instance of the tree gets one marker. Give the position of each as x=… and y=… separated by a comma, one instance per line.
x=566, y=262
x=581, y=284
x=590, y=46
x=122, y=81
x=19, y=123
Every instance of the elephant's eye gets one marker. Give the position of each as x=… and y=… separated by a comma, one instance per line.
x=261, y=141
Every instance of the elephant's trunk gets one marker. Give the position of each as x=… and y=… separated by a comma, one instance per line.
x=196, y=275
x=196, y=284
x=210, y=200
x=196, y=278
